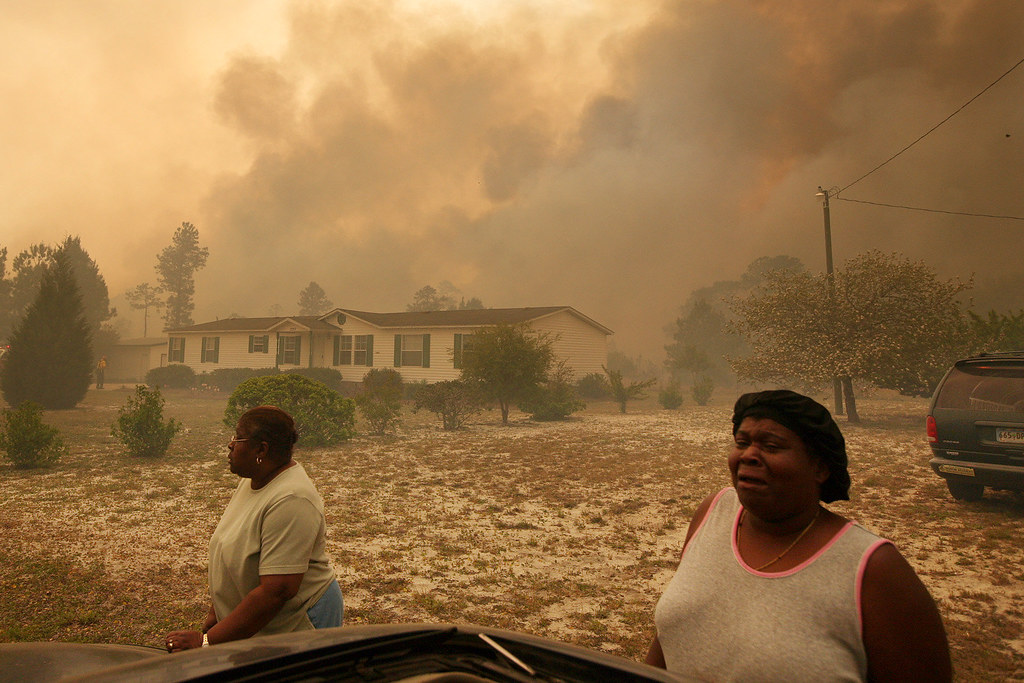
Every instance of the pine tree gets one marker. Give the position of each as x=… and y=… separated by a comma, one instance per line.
x=313, y=300
x=176, y=266
x=50, y=359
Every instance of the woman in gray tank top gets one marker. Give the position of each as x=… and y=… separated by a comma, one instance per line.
x=772, y=586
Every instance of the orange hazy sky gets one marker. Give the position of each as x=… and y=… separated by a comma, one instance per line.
x=606, y=155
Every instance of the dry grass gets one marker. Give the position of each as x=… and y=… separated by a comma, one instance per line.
x=568, y=530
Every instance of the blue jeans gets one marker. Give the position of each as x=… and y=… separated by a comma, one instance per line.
x=329, y=610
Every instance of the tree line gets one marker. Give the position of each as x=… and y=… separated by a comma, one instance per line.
x=882, y=320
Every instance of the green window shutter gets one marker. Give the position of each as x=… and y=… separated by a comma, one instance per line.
x=280, y=350
x=298, y=350
x=202, y=350
x=182, y=349
x=251, y=338
x=216, y=349
x=337, y=349
x=266, y=343
x=398, y=350
x=426, y=350
x=369, y=350
x=457, y=352
x=170, y=349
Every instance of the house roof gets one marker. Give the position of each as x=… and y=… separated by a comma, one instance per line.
x=143, y=341
x=405, y=319
x=311, y=322
x=465, y=318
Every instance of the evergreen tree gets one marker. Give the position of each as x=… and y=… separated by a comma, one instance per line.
x=313, y=300
x=176, y=267
x=50, y=360
x=142, y=298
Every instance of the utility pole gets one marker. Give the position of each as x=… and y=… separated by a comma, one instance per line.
x=837, y=387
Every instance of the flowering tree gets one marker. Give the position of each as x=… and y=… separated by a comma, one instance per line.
x=880, y=318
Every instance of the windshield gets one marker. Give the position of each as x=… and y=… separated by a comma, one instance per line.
x=983, y=388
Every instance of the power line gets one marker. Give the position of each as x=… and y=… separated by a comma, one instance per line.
x=930, y=130
x=918, y=208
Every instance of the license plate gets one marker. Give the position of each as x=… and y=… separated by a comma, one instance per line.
x=957, y=469
x=1010, y=435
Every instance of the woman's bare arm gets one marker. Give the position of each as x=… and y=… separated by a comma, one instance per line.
x=903, y=632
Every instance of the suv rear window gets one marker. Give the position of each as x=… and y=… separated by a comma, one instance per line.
x=983, y=387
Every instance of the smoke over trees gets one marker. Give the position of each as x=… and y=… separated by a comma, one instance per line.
x=176, y=268
x=428, y=298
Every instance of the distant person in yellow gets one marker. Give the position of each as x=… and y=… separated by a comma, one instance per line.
x=100, y=370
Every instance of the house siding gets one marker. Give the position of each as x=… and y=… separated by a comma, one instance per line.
x=583, y=346
x=574, y=339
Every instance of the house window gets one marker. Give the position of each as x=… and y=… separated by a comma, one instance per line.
x=259, y=343
x=289, y=349
x=362, y=344
x=343, y=349
x=412, y=350
x=211, y=350
x=463, y=345
x=353, y=350
x=176, y=350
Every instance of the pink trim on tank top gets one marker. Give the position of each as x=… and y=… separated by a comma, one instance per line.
x=703, y=521
x=788, y=572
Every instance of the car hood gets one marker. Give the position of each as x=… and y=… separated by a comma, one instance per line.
x=394, y=652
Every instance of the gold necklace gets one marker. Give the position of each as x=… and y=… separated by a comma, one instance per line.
x=791, y=545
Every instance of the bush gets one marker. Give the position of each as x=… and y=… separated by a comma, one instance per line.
x=380, y=401
x=555, y=398
x=329, y=377
x=702, y=389
x=670, y=397
x=140, y=424
x=28, y=441
x=594, y=385
x=322, y=416
x=175, y=376
x=454, y=401
x=228, y=379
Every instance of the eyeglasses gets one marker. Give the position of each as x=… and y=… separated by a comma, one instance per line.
x=235, y=440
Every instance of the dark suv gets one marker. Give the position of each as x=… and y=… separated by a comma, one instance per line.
x=976, y=425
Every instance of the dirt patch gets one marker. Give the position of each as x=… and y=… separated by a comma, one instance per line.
x=569, y=530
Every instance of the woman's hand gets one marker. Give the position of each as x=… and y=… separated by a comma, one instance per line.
x=176, y=641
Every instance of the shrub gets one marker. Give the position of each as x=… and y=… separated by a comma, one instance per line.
x=329, y=377
x=454, y=401
x=175, y=376
x=594, y=385
x=28, y=441
x=140, y=424
x=702, y=389
x=670, y=397
x=622, y=392
x=322, y=416
x=380, y=401
x=555, y=398
x=228, y=379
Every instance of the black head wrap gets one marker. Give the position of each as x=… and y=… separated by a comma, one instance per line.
x=812, y=422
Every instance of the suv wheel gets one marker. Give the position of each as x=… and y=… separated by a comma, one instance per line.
x=967, y=491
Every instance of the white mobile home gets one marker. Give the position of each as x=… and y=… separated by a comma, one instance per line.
x=422, y=346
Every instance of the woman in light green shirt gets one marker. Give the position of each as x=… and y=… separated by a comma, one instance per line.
x=269, y=571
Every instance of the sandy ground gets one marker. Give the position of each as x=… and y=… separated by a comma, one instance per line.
x=568, y=530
